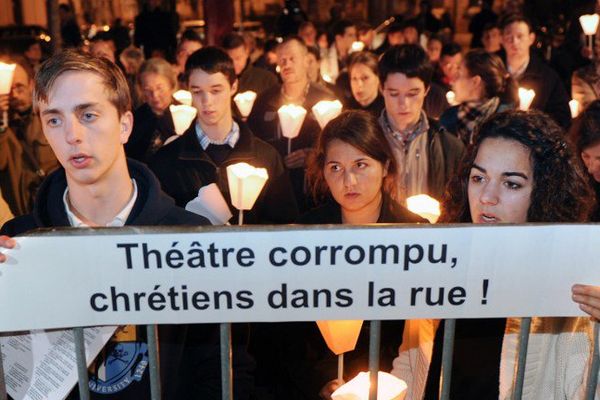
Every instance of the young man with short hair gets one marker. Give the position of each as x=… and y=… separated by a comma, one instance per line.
x=426, y=155
x=215, y=141
x=531, y=72
x=84, y=105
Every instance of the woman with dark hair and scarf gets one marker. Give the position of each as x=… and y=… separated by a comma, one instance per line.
x=483, y=87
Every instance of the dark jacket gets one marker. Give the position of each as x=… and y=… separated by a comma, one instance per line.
x=475, y=360
x=149, y=133
x=183, y=167
x=550, y=94
x=189, y=354
x=303, y=362
x=25, y=159
x=375, y=108
x=256, y=79
x=331, y=213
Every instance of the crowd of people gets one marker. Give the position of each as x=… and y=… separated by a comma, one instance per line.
x=90, y=141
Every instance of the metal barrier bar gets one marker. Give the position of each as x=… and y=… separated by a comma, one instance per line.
x=3, y=394
x=82, y=372
x=374, y=346
x=447, y=354
x=153, y=361
x=226, y=362
x=522, y=357
x=592, y=381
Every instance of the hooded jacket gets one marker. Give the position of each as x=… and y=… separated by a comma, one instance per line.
x=189, y=354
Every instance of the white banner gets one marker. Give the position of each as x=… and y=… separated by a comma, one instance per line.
x=294, y=274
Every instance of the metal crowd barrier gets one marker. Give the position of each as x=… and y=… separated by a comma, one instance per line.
x=374, y=349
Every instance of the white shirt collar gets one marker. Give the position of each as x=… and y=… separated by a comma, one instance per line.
x=118, y=221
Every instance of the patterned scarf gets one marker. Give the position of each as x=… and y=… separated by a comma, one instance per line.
x=471, y=114
x=409, y=148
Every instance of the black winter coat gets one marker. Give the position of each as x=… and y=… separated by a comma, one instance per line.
x=189, y=354
x=183, y=167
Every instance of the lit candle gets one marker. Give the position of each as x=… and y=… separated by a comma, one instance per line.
x=182, y=117
x=424, y=206
x=340, y=336
x=525, y=98
x=325, y=111
x=291, y=118
x=388, y=388
x=245, y=183
x=327, y=78
x=357, y=46
x=183, y=96
x=589, y=23
x=451, y=97
x=6, y=76
x=244, y=102
x=574, y=106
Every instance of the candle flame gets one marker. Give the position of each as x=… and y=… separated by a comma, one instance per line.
x=325, y=111
x=589, y=23
x=424, y=206
x=245, y=102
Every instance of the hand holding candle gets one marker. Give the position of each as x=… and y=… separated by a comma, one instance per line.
x=291, y=118
x=325, y=111
x=244, y=102
x=183, y=96
x=182, y=117
x=525, y=98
